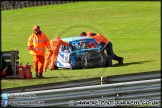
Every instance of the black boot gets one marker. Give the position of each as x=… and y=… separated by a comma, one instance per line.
x=40, y=75
x=36, y=74
x=121, y=61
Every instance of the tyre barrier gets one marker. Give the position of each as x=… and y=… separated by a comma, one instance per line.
x=11, y=5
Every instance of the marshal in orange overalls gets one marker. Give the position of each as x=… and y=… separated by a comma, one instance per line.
x=107, y=45
x=55, y=45
x=36, y=46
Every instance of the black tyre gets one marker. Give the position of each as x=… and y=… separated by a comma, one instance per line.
x=101, y=62
x=108, y=61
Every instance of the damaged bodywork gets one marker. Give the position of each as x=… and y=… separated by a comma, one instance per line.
x=83, y=52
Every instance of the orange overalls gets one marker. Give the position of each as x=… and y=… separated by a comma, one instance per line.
x=101, y=40
x=55, y=45
x=37, y=44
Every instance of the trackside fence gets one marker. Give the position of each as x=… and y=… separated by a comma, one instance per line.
x=143, y=92
x=20, y=4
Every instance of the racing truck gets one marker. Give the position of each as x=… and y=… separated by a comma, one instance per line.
x=83, y=52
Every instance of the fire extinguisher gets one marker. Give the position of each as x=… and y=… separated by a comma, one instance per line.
x=28, y=73
x=4, y=72
x=21, y=70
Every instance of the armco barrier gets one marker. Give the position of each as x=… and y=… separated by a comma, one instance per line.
x=144, y=92
x=133, y=77
x=88, y=82
x=11, y=58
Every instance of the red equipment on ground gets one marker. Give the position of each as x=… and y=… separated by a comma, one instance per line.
x=28, y=73
x=4, y=71
x=21, y=70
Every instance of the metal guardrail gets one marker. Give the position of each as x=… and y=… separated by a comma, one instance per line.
x=109, y=94
x=88, y=82
x=57, y=85
x=133, y=77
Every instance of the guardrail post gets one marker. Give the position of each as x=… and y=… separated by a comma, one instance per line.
x=14, y=56
x=103, y=80
x=13, y=62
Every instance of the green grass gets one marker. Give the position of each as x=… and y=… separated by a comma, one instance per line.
x=132, y=27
